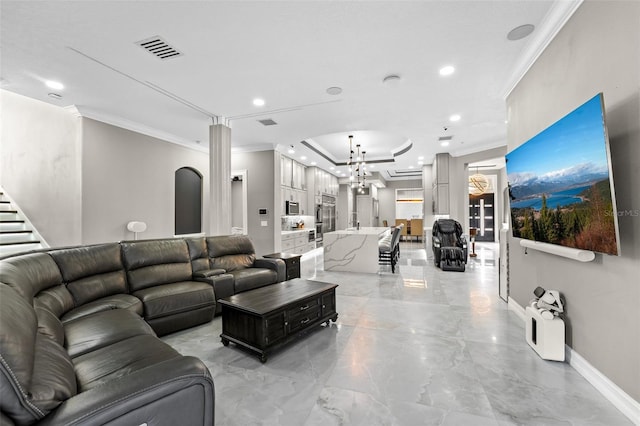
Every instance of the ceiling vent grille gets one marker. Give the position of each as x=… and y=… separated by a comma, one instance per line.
x=268, y=122
x=159, y=48
x=444, y=138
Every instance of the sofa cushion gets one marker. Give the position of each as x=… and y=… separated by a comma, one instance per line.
x=92, y=272
x=30, y=274
x=36, y=374
x=116, y=301
x=250, y=278
x=169, y=299
x=223, y=245
x=150, y=263
x=36, y=277
x=120, y=359
x=50, y=325
x=198, y=253
x=103, y=329
x=156, y=262
x=230, y=252
x=233, y=262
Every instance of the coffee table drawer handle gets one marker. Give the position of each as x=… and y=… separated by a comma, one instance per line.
x=304, y=308
x=304, y=321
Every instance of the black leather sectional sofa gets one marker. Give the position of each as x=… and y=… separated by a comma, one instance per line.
x=79, y=327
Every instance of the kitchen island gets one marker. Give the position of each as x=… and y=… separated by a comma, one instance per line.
x=353, y=250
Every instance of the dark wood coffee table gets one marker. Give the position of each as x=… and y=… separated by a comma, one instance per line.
x=269, y=317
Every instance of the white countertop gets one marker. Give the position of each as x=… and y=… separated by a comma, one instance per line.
x=297, y=231
x=362, y=231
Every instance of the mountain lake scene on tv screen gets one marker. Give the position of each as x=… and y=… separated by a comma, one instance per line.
x=559, y=184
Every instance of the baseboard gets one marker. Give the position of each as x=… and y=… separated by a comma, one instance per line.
x=619, y=398
x=516, y=308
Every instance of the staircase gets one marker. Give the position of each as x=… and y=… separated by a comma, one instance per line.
x=17, y=234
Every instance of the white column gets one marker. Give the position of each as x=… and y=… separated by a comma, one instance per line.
x=219, y=177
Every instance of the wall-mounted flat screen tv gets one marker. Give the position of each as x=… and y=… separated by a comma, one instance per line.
x=561, y=183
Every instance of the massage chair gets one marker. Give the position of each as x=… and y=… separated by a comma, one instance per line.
x=449, y=245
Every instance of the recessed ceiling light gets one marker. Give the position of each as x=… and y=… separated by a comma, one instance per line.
x=55, y=96
x=520, y=32
x=55, y=85
x=331, y=168
x=445, y=143
x=455, y=117
x=313, y=163
x=448, y=70
x=335, y=90
x=303, y=158
x=421, y=157
x=411, y=167
x=420, y=162
x=258, y=102
x=291, y=151
x=371, y=165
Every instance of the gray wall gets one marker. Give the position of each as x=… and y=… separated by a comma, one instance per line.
x=40, y=165
x=130, y=176
x=260, y=183
x=596, y=51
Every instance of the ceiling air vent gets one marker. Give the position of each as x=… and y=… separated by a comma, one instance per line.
x=159, y=48
x=444, y=138
x=268, y=122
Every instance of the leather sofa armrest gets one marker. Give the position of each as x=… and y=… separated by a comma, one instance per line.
x=177, y=391
x=208, y=273
x=277, y=265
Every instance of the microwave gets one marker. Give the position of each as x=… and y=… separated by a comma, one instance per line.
x=293, y=208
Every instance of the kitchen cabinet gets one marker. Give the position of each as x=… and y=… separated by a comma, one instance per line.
x=286, y=171
x=292, y=173
x=320, y=182
x=296, y=242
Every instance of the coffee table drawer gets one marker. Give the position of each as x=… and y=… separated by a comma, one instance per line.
x=302, y=319
x=301, y=307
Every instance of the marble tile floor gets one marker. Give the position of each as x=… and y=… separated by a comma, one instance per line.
x=418, y=347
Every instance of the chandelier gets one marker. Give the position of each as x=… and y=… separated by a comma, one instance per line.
x=357, y=170
x=478, y=183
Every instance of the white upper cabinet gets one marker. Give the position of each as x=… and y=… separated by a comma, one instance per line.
x=287, y=171
x=292, y=173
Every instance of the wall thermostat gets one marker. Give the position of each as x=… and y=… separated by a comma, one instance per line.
x=262, y=211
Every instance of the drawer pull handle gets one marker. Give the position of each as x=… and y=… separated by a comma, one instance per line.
x=304, y=308
x=304, y=321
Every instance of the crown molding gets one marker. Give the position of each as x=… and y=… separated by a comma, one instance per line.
x=549, y=27
x=81, y=111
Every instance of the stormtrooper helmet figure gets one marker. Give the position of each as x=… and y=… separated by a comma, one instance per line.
x=549, y=301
